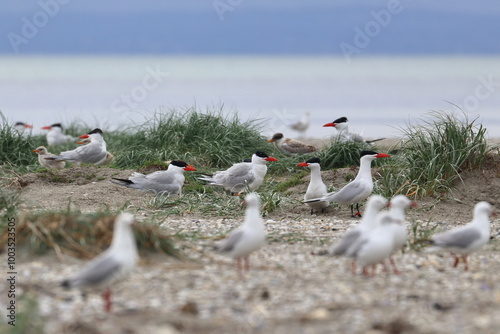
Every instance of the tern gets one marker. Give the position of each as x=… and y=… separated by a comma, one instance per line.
x=20, y=127
x=92, y=153
x=248, y=238
x=291, y=146
x=55, y=136
x=113, y=265
x=358, y=189
x=316, y=186
x=342, y=126
x=109, y=157
x=241, y=175
x=51, y=164
x=167, y=182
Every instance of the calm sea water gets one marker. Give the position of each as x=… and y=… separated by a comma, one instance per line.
x=378, y=94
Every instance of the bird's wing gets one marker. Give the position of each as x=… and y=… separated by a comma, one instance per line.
x=347, y=241
x=232, y=240
x=461, y=238
x=239, y=175
x=347, y=194
x=295, y=146
x=97, y=271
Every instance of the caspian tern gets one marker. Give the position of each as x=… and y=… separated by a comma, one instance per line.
x=342, y=126
x=114, y=264
x=316, y=186
x=358, y=189
x=51, y=164
x=166, y=182
x=469, y=238
x=109, y=157
x=303, y=124
x=55, y=136
x=398, y=205
x=377, y=244
x=20, y=127
x=241, y=175
x=290, y=146
x=249, y=237
x=92, y=153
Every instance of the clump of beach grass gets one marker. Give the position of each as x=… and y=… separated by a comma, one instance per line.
x=209, y=138
x=82, y=235
x=434, y=154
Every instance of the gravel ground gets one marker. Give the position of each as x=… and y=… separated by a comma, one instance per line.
x=290, y=289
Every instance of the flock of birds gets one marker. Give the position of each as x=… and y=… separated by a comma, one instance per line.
x=379, y=234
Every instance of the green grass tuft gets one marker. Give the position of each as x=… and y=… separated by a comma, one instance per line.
x=434, y=154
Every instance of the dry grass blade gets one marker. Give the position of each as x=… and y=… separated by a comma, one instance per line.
x=82, y=235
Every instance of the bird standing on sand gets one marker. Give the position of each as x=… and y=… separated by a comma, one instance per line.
x=51, y=164
x=109, y=157
x=374, y=204
x=342, y=126
x=55, y=136
x=358, y=189
x=290, y=146
x=92, y=153
x=377, y=244
x=398, y=205
x=114, y=264
x=241, y=175
x=249, y=237
x=303, y=124
x=469, y=238
x=165, y=182
x=316, y=187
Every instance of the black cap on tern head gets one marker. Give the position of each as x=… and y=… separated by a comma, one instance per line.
x=340, y=120
x=96, y=130
x=277, y=136
x=56, y=124
x=261, y=154
x=313, y=161
x=363, y=153
x=178, y=163
x=20, y=123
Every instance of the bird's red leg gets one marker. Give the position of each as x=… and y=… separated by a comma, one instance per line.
x=395, y=270
x=464, y=258
x=364, y=272
x=457, y=260
x=247, y=263
x=106, y=296
x=353, y=267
